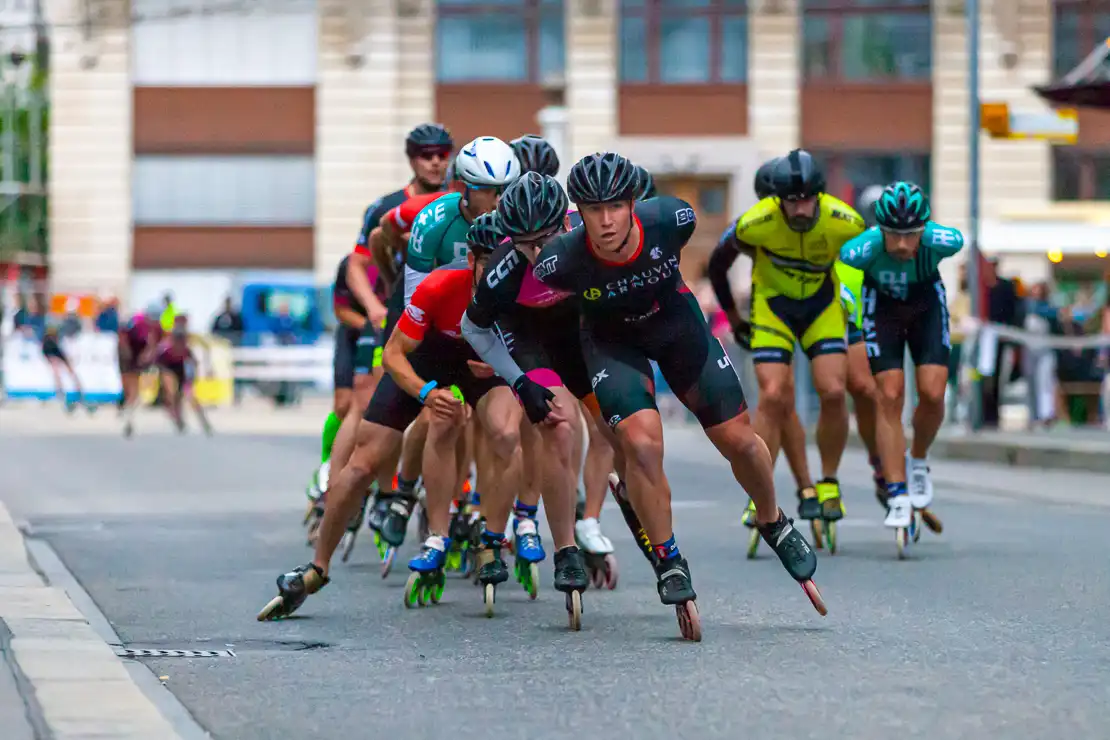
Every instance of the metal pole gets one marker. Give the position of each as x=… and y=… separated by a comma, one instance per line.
x=971, y=8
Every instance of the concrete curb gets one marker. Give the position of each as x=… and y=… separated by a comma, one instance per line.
x=80, y=687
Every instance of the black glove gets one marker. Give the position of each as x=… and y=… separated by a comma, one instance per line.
x=533, y=397
x=742, y=334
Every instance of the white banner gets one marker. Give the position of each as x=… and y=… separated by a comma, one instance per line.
x=94, y=357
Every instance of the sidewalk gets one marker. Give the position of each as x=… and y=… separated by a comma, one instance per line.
x=58, y=678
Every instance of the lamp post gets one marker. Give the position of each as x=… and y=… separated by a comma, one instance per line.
x=971, y=9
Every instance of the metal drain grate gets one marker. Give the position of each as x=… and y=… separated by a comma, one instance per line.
x=158, y=653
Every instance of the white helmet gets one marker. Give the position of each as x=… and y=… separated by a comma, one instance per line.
x=487, y=161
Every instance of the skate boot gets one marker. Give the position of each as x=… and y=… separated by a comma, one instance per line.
x=491, y=569
x=677, y=590
x=796, y=555
x=571, y=579
x=427, y=580
x=900, y=517
x=809, y=509
x=598, y=550
x=459, y=534
x=347, y=542
x=880, y=481
x=921, y=496
x=620, y=495
x=379, y=507
x=394, y=527
x=293, y=588
x=748, y=520
x=832, y=509
x=529, y=552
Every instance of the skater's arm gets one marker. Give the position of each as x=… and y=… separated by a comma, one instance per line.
x=488, y=345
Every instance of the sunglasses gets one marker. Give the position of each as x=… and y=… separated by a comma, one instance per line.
x=433, y=154
x=538, y=241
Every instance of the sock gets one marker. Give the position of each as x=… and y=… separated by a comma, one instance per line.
x=475, y=498
x=524, y=511
x=919, y=462
x=331, y=428
x=896, y=489
x=492, y=539
x=877, y=471
x=667, y=550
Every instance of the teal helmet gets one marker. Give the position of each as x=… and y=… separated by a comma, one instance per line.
x=903, y=206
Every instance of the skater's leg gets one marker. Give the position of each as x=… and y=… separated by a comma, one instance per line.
x=499, y=413
x=599, y=463
x=557, y=471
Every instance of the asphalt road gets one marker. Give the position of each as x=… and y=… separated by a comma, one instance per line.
x=997, y=628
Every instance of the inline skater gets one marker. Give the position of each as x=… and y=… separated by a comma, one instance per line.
x=793, y=438
x=622, y=264
x=528, y=333
x=437, y=236
x=177, y=365
x=795, y=237
x=905, y=304
x=428, y=147
x=138, y=344
x=535, y=154
x=56, y=358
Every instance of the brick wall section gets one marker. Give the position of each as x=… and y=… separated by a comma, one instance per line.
x=90, y=150
x=592, y=59
x=774, y=78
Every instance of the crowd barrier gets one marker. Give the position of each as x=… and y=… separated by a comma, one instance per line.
x=95, y=359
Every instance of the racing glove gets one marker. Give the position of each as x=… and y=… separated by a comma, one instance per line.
x=533, y=397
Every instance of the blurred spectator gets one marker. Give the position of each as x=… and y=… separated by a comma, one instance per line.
x=70, y=326
x=31, y=319
x=1041, y=318
x=229, y=323
x=169, y=312
x=107, y=318
x=1003, y=307
x=284, y=326
x=959, y=319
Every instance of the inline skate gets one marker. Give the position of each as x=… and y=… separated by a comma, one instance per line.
x=314, y=514
x=809, y=509
x=921, y=497
x=601, y=564
x=677, y=589
x=901, y=517
x=528, y=553
x=491, y=570
x=458, y=555
x=293, y=588
x=427, y=580
x=347, y=542
x=395, y=526
x=796, y=556
x=832, y=510
x=620, y=495
x=571, y=579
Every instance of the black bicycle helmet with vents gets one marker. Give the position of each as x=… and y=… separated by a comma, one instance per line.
x=428, y=136
x=797, y=175
x=765, y=179
x=647, y=184
x=532, y=204
x=603, y=178
x=484, y=235
x=535, y=155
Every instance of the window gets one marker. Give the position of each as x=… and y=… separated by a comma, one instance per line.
x=867, y=40
x=1080, y=175
x=1080, y=26
x=684, y=41
x=499, y=40
x=850, y=173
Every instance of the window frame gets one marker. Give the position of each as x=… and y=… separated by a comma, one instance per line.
x=652, y=12
x=835, y=163
x=530, y=11
x=1086, y=160
x=1086, y=40
x=836, y=11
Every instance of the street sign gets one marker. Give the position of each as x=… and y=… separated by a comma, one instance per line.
x=1060, y=126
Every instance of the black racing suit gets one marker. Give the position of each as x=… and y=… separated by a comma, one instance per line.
x=640, y=310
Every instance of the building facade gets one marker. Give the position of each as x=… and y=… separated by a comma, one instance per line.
x=213, y=137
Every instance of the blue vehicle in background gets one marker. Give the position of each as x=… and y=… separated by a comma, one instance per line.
x=290, y=313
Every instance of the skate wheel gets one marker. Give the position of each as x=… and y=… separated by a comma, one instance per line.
x=753, y=544
x=488, y=596
x=422, y=595
x=901, y=540
x=387, y=564
x=308, y=513
x=830, y=536
x=815, y=598
x=931, y=521
x=533, y=584
x=917, y=526
x=597, y=578
x=574, y=610
x=611, y=572
x=348, y=545
x=816, y=526
x=412, y=591
x=272, y=610
x=689, y=621
x=435, y=591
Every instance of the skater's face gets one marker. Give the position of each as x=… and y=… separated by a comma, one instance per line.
x=902, y=245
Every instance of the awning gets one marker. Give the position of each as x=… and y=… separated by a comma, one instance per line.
x=1086, y=86
x=1007, y=236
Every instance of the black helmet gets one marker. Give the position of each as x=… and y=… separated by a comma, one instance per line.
x=797, y=176
x=765, y=179
x=647, y=184
x=603, y=178
x=484, y=235
x=428, y=136
x=902, y=207
x=532, y=204
x=535, y=155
